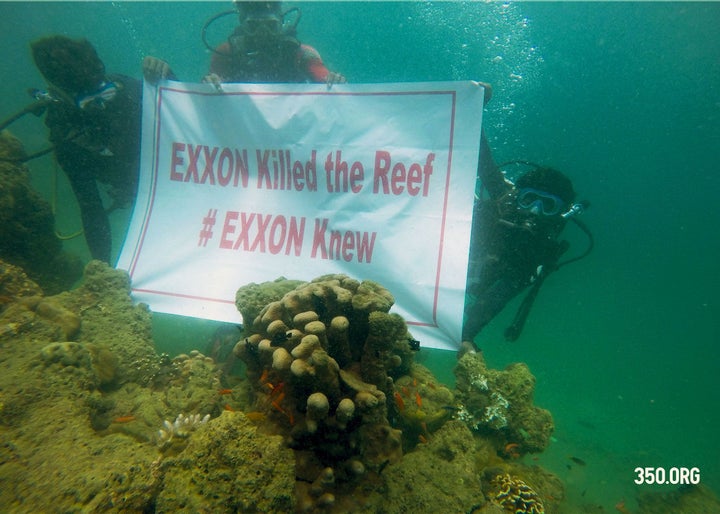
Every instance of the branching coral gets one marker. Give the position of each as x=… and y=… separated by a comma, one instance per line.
x=181, y=428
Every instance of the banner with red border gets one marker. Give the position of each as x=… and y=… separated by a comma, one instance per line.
x=255, y=182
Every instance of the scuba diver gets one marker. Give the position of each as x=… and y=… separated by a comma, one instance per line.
x=94, y=120
x=263, y=48
x=515, y=239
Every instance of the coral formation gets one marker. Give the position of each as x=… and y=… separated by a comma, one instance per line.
x=323, y=358
x=181, y=428
x=67, y=322
x=333, y=416
x=27, y=225
x=440, y=476
x=103, y=303
x=229, y=466
x=514, y=495
x=252, y=298
x=421, y=405
x=97, y=363
x=14, y=283
x=500, y=404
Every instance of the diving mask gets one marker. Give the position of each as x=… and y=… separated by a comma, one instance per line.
x=105, y=93
x=540, y=202
x=262, y=26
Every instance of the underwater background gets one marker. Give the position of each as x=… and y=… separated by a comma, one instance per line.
x=623, y=97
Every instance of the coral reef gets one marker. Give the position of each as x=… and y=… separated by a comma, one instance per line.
x=252, y=298
x=421, y=405
x=27, y=225
x=51, y=387
x=103, y=303
x=433, y=472
x=229, y=466
x=100, y=395
x=333, y=416
x=334, y=372
x=499, y=404
x=322, y=359
x=14, y=283
x=95, y=366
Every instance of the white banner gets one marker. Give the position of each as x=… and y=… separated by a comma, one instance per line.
x=375, y=181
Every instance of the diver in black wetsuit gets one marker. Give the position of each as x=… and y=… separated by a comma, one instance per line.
x=515, y=239
x=94, y=120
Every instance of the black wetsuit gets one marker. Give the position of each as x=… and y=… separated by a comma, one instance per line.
x=99, y=145
x=508, y=248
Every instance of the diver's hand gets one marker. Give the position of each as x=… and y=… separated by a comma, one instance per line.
x=155, y=70
x=214, y=79
x=488, y=91
x=334, y=78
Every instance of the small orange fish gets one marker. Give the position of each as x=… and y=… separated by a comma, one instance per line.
x=264, y=376
x=228, y=408
x=278, y=389
x=255, y=416
x=225, y=391
x=620, y=507
x=511, y=450
x=399, y=401
x=422, y=439
x=276, y=405
x=124, y=419
x=418, y=399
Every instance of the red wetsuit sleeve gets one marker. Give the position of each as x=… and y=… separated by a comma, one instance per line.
x=311, y=63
